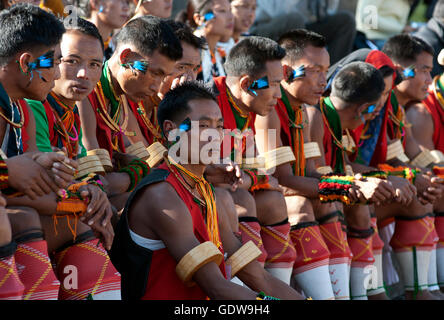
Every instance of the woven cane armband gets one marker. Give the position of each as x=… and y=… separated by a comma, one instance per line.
x=324, y=170
x=424, y=159
x=396, y=150
x=138, y=150
x=156, y=153
x=104, y=158
x=89, y=164
x=311, y=150
x=277, y=157
x=246, y=254
x=438, y=156
x=196, y=258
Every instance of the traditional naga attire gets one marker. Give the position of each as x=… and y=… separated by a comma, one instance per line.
x=413, y=239
x=434, y=103
x=274, y=241
x=58, y=125
x=148, y=125
x=148, y=269
x=109, y=109
x=26, y=256
x=323, y=255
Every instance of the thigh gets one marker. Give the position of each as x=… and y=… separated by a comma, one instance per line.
x=244, y=203
x=414, y=209
x=358, y=216
x=299, y=209
x=270, y=207
x=24, y=220
x=225, y=204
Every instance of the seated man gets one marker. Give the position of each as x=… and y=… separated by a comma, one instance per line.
x=322, y=270
x=28, y=71
x=183, y=239
x=58, y=126
x=421, y=129
x=134, y=72
x=346, y=108
x=252, y=88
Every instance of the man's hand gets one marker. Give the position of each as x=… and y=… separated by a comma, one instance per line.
x=219, y=174
x=61, y=167
x=428, y=191
x=99, y=208
x=105, y=234
x=405, y=191
x=32, y=179
x=375, y=190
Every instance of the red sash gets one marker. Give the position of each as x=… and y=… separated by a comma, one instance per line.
x=104, y=133
x=227, y=113
x=286, y=137
x=145, y=131
x=163, y=282
x=437, y=112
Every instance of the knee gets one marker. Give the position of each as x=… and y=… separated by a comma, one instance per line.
x=271, y=207
x=299, y=210
x=245, y=204
x=24, y=221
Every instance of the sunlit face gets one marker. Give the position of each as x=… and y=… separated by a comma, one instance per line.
x=206, y=132
x=140, y=86
x=309, y=88
x=158, y=8
x=43, y=82
x=415, y=89
x=244, y=12
x=187, y=67
x=266, y=99
x=81, y=65
x=115, y=12
x=223, y=22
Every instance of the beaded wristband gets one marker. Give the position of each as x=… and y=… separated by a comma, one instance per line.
x=263, y=296
x=333, y=187
x=4, y=177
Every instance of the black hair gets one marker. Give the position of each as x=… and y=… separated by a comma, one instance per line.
x=149, y=33
x=194, y=6
x=358, y=83
x=405, y=48
x=86, y=28
x=184, y=33
x=250, y=55
x=175, y=105
x=295, y=41
x=25, y=27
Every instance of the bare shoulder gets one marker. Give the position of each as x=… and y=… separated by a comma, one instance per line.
x=417, y=113
x=270, y=121
x=155, y=208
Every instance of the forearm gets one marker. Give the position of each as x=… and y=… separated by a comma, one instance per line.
x=302, y=186
x=46, y=205
x=117, y=183
x=5, y=228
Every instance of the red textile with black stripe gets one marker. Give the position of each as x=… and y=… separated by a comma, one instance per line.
x=418, y=233
x=11, y=287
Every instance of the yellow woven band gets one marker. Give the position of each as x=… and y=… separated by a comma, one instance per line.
x=311, y=150
x=396, y=150
x=156, y=153
x=324, y=170
x=196, y=258
x=138, y=150
x=348, y=144
x=246, y=254
x=270, y=159
x=423, y=159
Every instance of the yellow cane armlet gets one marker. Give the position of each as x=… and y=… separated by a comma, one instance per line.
x=246, y=254
x=311, y=150
x=438, y=156
x=138, y=150
x=324, y=170
x=277, y=157
x=253, y=163
x=156, y=153
x=396, y=150
x=423, y=159
x=196, y=258
x=104, y=158
x=89, y=164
